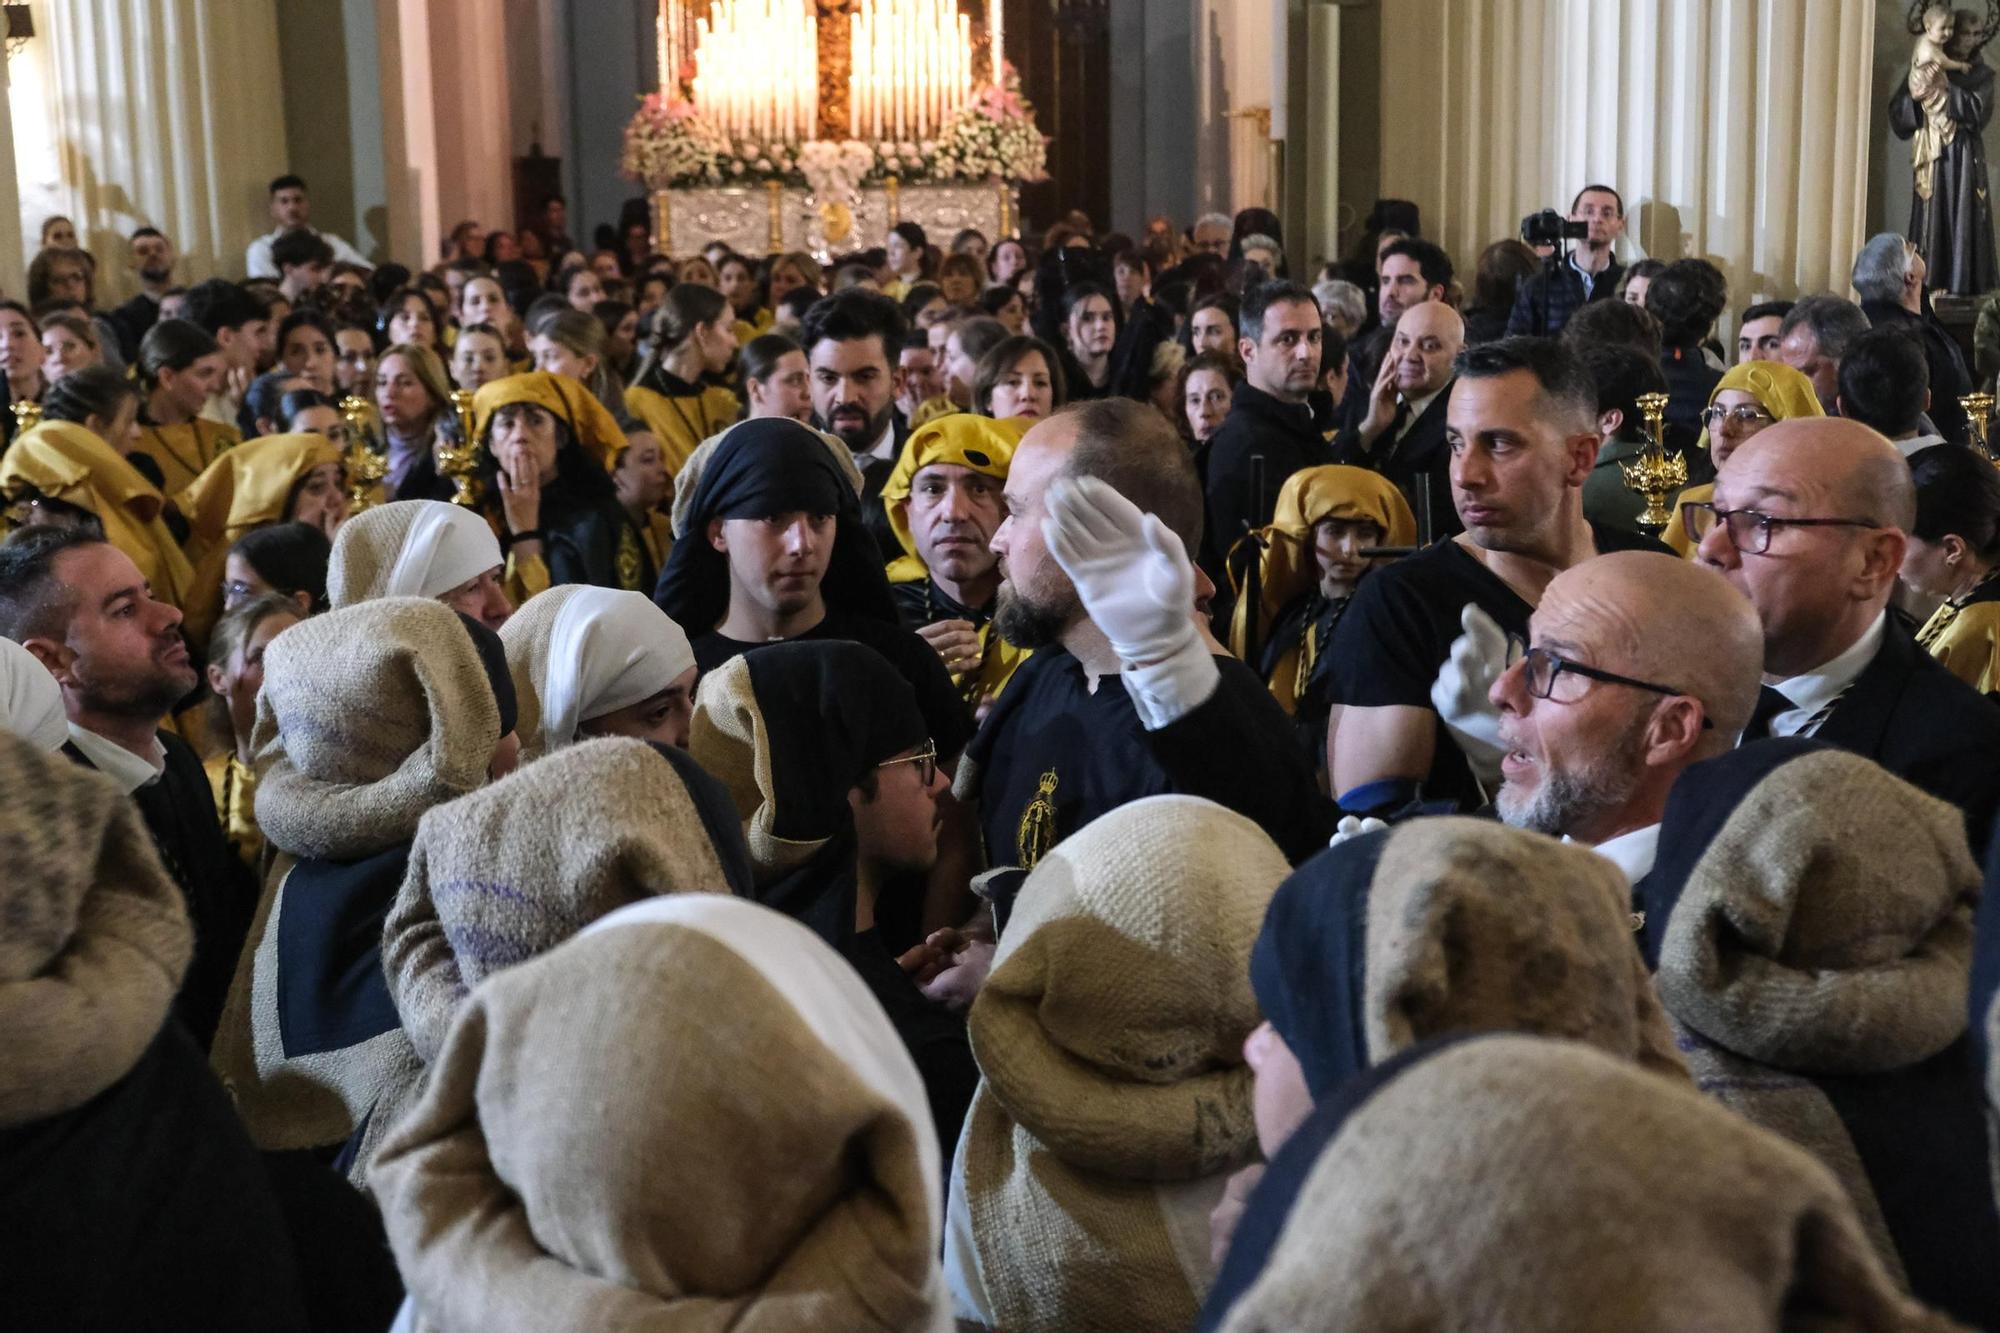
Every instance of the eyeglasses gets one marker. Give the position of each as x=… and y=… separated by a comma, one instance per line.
x=925, y=760
x=1744, y=415
x=1750, y=529
x=1542, y=668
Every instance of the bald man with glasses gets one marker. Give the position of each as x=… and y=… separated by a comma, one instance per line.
x=1809, y=520
x=1636, y=666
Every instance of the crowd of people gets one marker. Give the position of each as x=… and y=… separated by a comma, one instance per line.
x=1091, y=784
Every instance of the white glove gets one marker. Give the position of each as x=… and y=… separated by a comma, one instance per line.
x=1350, y=828
x=1136, y=584
x=1460, y=693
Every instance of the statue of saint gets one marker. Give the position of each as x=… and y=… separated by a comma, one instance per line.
x=1942, y=108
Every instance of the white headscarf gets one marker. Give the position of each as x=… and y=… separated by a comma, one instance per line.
x=607, y=650
x=448, y=545
x=31, y=703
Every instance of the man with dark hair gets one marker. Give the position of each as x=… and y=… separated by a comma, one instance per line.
x=1402, y=433
x=1589, y=271
x=1410, y=272
x=153, y=260
x=304, y=261
x=1412, y=717
x=1126, y=695
x=241, y=327
x=1759, y=332
x=1687, y=297
x=852, y=341
x=82, y=608
x=1885, y=384
x=1278, y=418
x=291, y=210
x=1813, y=338
x=1602, y=323
x=1622, y=374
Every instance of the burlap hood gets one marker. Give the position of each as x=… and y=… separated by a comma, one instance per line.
x=96, y=936
x=577, y=652
x=1812, y=911
x=408, y=548
x=748, y=1149
x=1453, y=925
x=1110, y=1037
x=369, y=716
x=495, y=878
x=1508, y=1182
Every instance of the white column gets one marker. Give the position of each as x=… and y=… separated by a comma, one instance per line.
x=13, y=256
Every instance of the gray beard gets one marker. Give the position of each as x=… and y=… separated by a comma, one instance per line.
x=1567, y=799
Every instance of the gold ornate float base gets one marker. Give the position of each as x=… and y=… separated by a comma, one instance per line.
x=757, y=219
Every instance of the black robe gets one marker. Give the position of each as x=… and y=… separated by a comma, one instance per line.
x=1954, y=227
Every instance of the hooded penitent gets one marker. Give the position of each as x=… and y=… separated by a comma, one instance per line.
x=500, y=876
x=577, y=652
x=411, y=548
x=687, y=479
x=64, y=461
x=31, y=703
x=747, y=1148
x=1779, y=390
x=1510, y=1182
x=1448, y=925
x=1811, y=918
x=1288, y=568
x=368, y=718
x=790, y=730
x=1115, y=1099
x=247, y=487
x=116, y=1144
x=762, y=467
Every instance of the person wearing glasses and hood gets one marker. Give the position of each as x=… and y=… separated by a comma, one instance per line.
x=1750, y=396
x=1811, y=521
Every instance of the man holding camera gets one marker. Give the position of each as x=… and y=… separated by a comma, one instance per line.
x=1574, y=274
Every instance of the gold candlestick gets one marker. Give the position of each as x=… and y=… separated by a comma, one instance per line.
x=1655, y=473
x=27, y=416
x=1978, y=415
x=774, y=196
x=366, y=465
x=458, y=461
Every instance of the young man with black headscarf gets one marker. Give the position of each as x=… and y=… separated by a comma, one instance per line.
x=826, y=753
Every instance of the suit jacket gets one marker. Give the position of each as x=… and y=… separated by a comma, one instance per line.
x=1950, y=380
x=1912, y=716
x=1286, y=436
x=1419, y=463
x=131, y=322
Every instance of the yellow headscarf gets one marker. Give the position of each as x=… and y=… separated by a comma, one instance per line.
x=1780, y=390
x=247, y=487
x=1288, y=567
x=595, y=429
x=64, y=461
x=980, y=443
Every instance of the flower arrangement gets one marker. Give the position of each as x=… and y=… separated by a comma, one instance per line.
x=669, y=143
x=994, y=134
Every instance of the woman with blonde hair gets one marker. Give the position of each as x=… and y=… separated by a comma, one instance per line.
x=414, y=395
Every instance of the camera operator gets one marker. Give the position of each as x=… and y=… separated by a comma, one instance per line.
x=1586, y=271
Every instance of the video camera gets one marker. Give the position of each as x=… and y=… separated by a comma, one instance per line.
x=1549, y=227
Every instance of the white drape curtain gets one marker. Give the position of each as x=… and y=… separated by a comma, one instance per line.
x=160, y=112
x=1737, y=130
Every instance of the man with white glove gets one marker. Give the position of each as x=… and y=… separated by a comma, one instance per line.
x=1103, y=510
x=1461, y=691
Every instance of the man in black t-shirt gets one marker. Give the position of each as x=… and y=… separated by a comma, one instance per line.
x=1522, y=432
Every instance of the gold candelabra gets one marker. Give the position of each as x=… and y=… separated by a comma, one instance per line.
x=366, y=465
x=27, y=416
x=1978, y=415
x=1655, y=474
x=457, y=461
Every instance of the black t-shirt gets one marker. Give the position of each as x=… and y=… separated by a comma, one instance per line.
x=1399, y=628
x=937, y=698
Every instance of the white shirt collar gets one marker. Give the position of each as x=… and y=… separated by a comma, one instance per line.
x=1913, y=443
x=1813, y=690
x=1631, y=852
x=885, y=447
x=116, y=762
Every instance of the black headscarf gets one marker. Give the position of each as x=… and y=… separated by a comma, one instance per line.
x=766, y=466
x=493, y=656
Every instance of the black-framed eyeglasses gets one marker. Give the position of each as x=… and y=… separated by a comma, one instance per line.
x=1750, y=529
x=1542, y=668
x=925, y=760
x=1743, y=414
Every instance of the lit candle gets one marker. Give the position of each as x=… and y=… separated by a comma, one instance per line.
x=996, y=18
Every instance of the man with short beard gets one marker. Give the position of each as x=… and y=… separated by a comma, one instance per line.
x=852, y=342
x=1127, y=695
x=84, y=610
x=153, y=260
x=1637, y=666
